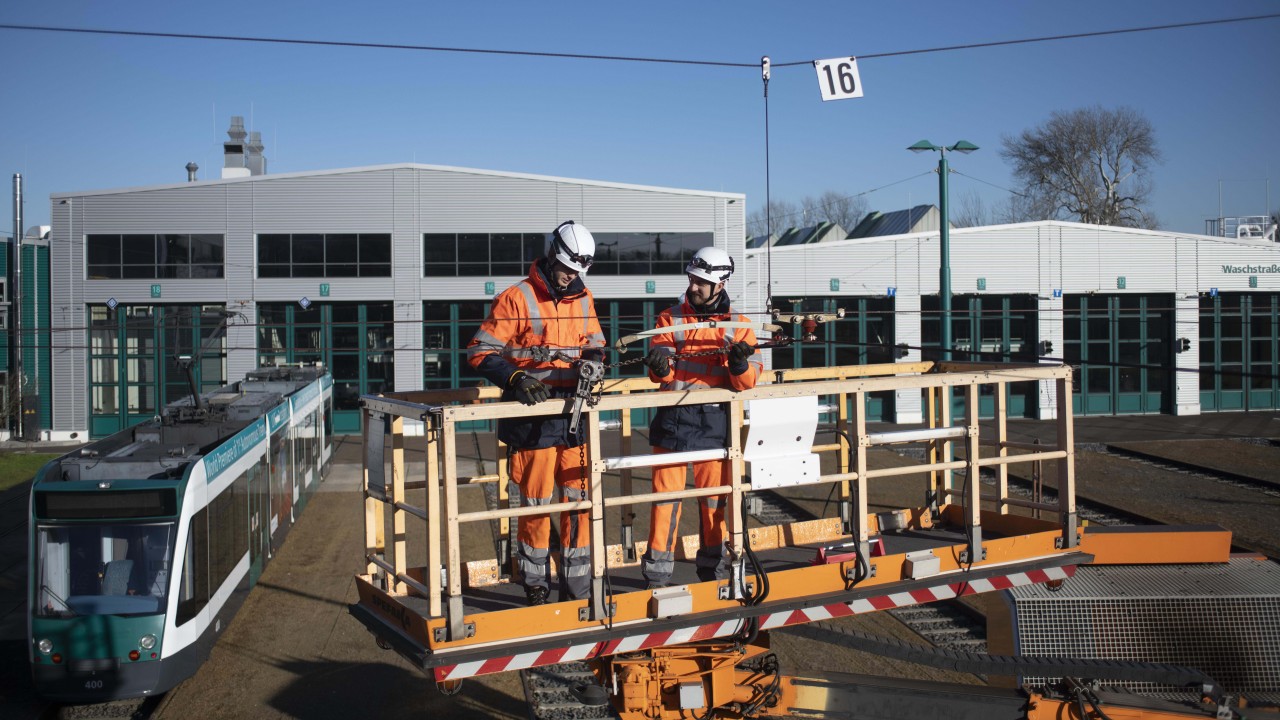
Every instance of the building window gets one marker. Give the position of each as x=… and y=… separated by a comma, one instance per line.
x=332, y=255
x=647, y=253
x=480, y=254
x=167, y=256
x=492, y=254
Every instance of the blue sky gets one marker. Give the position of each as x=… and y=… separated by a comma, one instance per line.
x=90, y=112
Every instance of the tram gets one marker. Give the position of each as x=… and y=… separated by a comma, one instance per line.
x=144, y=544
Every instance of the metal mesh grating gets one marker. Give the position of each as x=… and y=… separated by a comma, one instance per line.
x=1223, y=619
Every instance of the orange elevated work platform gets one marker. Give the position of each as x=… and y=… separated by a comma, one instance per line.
x=458, y=617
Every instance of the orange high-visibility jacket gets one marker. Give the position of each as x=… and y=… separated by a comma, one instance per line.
x=533, y=329
x=699, y=427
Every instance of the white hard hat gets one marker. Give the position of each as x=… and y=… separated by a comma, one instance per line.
x=710, y=263
x=572, y=246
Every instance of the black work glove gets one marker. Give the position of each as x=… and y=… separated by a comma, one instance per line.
x=738, y=353
x=527, y=389
x=658, y=362
x=593, y=353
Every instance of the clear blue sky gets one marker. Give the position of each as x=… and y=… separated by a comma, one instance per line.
x=86, y=112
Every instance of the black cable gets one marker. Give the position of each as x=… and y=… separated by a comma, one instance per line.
x=620, y=58
x=368, y=45
x=1050, y=38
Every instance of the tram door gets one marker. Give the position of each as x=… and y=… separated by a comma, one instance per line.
x=1121, y=343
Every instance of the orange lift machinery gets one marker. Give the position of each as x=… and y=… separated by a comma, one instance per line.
x=699, y=649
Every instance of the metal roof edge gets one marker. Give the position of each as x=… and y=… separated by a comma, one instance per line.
x=398, y=166
x=1061, y=224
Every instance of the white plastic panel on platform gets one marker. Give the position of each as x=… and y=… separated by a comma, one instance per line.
x=779, y=443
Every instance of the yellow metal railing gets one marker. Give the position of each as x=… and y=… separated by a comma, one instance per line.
x=435, y=418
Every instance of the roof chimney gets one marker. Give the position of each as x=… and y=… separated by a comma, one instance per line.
x=253, y=158
x=233, y=150
x=191, y=171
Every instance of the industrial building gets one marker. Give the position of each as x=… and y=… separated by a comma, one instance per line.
x=384, y=272
x=1153, y=322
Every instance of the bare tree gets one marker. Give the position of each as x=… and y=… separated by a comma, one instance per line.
x=844, y=210
x=1020, y=208
x=781, y=212
x=1090, y=165
x=970, y=211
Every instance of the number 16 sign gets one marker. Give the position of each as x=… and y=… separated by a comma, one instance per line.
x=838, y=78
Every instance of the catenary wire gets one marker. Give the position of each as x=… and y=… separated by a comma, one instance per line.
x=364, y=45
x=618, y=58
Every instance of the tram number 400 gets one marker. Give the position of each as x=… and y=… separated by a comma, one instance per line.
x=838, y=78
x=93, y=684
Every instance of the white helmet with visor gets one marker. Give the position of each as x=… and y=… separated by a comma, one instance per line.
x=573, y=246
x=711, y=264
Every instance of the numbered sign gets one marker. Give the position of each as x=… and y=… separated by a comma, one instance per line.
x=838, y=78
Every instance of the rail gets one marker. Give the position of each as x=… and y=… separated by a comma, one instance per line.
x=440, y=414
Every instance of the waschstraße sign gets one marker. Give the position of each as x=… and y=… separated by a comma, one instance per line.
x=1251, y=269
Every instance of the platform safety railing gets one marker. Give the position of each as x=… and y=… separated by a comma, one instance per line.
x=437, y=416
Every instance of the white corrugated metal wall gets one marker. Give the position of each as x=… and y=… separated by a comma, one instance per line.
x=1030, y=258
x=403, y=200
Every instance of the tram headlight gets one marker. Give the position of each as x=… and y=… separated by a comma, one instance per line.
x=45, y=645
x=147, y=641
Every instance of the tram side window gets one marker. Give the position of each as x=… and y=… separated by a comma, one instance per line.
x=314, y=427
x=228, y=520
x=193, y=594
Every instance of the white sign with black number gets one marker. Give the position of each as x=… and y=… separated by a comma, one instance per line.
x=838, y=78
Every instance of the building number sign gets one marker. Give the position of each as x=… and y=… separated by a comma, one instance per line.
x=838, y=78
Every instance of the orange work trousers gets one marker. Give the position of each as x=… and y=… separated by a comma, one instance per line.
x=538, y=472
x=664, y=521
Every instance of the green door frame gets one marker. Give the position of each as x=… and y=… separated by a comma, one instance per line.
x=1238, y=351
x=130, y=350
x=1006, y=332
x=1122, y=346
x=865, y=336
x=278, y=337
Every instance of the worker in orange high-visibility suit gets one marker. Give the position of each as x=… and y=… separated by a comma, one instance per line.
x=530, y=345
x=696, y=427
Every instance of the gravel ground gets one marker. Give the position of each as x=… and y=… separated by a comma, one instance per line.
x=1252, y=460
x=1183, y=499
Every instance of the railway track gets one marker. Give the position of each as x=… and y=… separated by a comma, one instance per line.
x=1237, y=480
x=951, y=625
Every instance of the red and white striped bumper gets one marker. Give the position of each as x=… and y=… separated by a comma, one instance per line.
x=642, y=640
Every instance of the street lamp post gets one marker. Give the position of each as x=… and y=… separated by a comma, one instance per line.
x=944, y=234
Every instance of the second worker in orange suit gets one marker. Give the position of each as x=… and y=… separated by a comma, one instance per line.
x=696, y=427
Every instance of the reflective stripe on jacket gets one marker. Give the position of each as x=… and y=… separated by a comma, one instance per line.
x=699, y=427
x=527, y=325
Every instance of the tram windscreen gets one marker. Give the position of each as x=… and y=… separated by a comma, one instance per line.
x=103, y=569
x=104, y=504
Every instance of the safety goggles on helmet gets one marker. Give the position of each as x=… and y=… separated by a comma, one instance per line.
x=563, y=250
x=723, y=271
x=577, y=256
